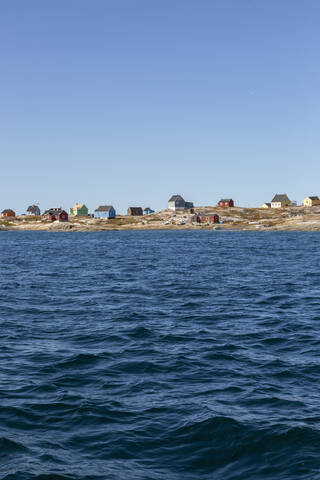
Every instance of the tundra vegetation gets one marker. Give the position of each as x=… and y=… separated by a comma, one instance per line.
x=290, y=218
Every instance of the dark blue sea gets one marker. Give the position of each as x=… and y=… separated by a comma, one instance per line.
x=160, y=355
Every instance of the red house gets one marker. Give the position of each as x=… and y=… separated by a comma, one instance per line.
x=210, y=218
x=226, y=202
x=207, y=218
x=55, y=214
x=8, y=213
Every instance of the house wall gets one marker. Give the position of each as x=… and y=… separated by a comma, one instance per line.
x=176, y=205
x=307, y=202
x=101, y=214
x=110, y=214
x=62, y=217
x=82, y=211
x=79, y=211
x=9, y=214
x=135, y=214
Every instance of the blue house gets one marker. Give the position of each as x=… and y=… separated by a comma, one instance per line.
x=105, y=211
x=148, y=210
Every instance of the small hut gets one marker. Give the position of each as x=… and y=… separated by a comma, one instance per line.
x=134, y=211
x=148, y=211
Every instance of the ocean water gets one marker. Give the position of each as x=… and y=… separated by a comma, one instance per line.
x=159, y=355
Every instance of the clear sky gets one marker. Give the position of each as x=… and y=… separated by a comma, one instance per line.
x=129, y=101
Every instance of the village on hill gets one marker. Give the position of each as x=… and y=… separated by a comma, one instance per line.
x=278, y=214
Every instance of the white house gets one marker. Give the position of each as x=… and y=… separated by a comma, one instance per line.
x=176, y=202
x=280, y=201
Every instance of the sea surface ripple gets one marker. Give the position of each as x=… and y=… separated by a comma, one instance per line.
x=159, y=355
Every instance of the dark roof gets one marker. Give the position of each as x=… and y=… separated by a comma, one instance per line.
x=135, y=210
x=176, y=198
x=266, y=203
x=7, y=210
x=103, y=208
x=225, y=200
x=281, y=197
x=33, y=208
x=54, y=211
x=313, y=198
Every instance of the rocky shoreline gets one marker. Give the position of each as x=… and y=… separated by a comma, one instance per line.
x=237, y=218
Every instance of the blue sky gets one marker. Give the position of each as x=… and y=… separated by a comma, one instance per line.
x=129, y=101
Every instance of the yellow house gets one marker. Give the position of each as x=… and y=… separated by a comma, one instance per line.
x=266, y=205
x=310, y=201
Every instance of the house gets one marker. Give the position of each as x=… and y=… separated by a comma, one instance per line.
x=176, y=202
x=207, y=218
x=266, y=205
x=8, y=213
x=226, y=202
x=134, y=211
x=55, y=214
x=79, y=209
x=33, y=210
x=105, y=211
x=311, y=201
x=280, y=201
x=148, y=211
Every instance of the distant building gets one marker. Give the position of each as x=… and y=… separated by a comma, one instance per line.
x=226, y=202
x=105, y=211
x=8, y=213
x=55, y=214
x=280, y=201
x=148, y=211
x=134, y=211
x=79, y=209
x=266, y=205
x=33, y=210
x=311, y=201
x=176, y=202
x=206, y=218
x=189, y=205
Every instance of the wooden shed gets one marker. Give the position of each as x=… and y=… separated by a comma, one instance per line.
x=134, y=211
x=148, y=211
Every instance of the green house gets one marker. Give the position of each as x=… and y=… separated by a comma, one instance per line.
x=79, y=209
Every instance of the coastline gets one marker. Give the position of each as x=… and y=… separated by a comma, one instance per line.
x=233, y=219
